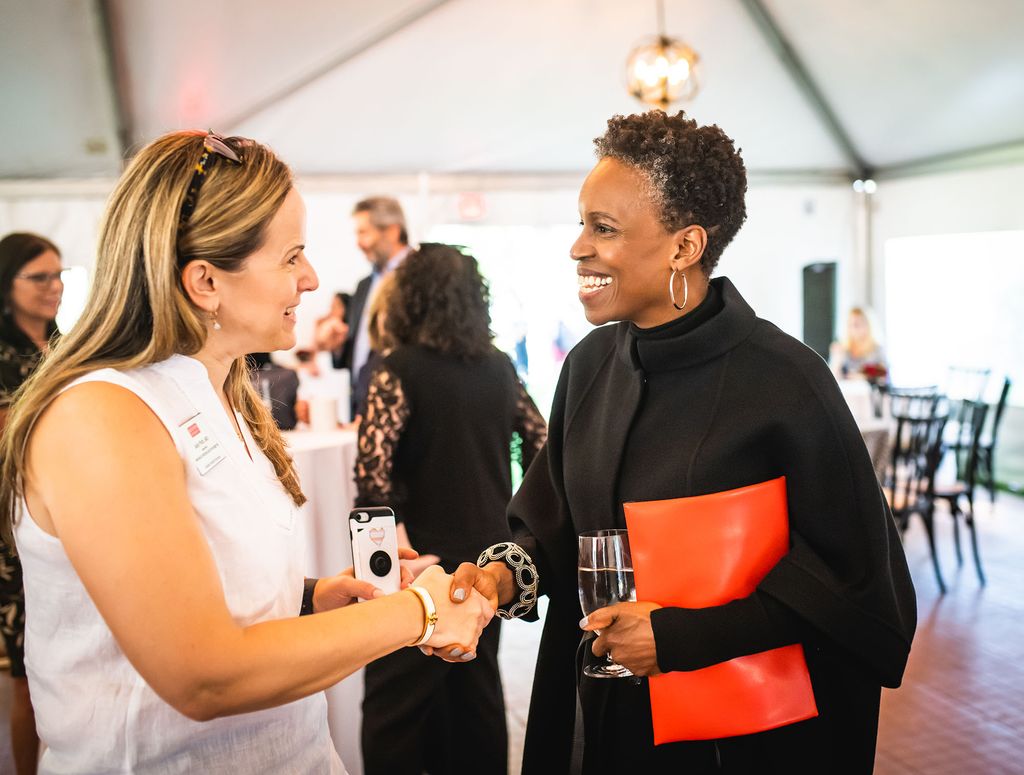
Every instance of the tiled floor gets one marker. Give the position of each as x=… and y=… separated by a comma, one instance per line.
x=961, y=708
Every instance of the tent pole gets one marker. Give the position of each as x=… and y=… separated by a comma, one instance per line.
x=998, y=154
x=802, y=78
x=116, y=76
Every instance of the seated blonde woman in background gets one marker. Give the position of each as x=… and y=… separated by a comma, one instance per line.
x=859, y=353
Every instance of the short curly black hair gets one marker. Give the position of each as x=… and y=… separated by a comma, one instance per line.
x=695, y=173
x=440, y=301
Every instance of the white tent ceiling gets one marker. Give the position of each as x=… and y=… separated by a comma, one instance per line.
x=483, y=86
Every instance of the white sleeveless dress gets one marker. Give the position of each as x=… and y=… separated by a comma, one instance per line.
x=94, y=712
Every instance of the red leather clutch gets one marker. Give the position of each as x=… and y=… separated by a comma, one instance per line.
x=705, y=551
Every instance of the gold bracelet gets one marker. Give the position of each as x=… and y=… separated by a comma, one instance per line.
x=429, y=614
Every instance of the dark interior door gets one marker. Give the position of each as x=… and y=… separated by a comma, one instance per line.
x=820, y=306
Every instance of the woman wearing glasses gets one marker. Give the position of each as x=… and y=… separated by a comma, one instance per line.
x=31, y=290
x=155, y=507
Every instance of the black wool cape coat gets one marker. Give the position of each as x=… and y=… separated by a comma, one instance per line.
x=730, y=403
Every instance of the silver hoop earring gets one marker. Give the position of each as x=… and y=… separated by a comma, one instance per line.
x=672, y=290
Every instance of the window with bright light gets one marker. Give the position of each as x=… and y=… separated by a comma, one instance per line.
x=536, y=315
x=955, y=300
x=76, y=290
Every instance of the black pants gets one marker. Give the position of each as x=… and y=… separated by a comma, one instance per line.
x=421, y=714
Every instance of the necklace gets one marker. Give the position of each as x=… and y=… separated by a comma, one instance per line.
x=238, y=429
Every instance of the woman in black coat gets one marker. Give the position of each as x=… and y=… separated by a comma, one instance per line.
x=688, y=394
x=436, y=444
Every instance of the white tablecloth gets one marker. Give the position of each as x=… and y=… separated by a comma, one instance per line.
x=875, y=431
x=324, y=462
x=857, y=393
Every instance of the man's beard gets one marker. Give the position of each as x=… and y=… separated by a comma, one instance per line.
x=380, y=255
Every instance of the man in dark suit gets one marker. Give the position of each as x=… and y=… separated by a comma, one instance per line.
x=382, y=236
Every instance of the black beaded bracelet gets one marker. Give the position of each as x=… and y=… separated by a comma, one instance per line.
x=523, y=570
x=307, y=596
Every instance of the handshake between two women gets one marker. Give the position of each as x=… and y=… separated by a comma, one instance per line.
x=453, y=626
x=623, y=628
x=459, y=623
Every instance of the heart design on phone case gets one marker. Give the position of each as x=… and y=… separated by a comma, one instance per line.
x=377, y=535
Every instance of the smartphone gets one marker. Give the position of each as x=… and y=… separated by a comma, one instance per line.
x=375, y=547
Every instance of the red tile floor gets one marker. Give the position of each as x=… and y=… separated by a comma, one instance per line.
x=961, y=707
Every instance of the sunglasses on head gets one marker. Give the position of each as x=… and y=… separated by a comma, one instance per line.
x=213, y=146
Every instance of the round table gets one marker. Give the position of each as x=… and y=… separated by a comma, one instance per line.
x=325, y=462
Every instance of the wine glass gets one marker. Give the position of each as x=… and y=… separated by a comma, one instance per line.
x=606, y=578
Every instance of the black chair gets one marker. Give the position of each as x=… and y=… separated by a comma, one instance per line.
x=966, y=383
x=987, y=444
x=910, y=401
x=916, y=455
x=962, y=383
x=971, y=423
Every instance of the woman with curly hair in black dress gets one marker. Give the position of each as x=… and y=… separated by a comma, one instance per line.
x=689, y=393
x=443, y=409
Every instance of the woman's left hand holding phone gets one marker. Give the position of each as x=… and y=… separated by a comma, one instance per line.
x=341, y=590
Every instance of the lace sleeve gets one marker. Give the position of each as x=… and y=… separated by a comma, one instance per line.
x=529, y=425
x=386, y=415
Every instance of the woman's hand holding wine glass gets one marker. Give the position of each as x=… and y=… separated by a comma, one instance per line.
x=625, y=636
x=606, y=589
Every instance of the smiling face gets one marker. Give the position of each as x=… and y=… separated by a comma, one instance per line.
x=37, y=289
x=857, y=327
x=257, y=303
x=625, y=255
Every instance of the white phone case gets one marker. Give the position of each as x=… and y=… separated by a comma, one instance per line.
x=375, y=548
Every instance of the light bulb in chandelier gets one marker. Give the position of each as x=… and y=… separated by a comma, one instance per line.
x=662, y=70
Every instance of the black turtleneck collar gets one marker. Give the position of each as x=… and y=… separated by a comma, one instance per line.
x=710, y=306
x=721, y=321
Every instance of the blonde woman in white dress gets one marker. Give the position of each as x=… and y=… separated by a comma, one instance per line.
x=154, y=505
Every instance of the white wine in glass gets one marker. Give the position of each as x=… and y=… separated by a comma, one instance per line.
x=606, y=578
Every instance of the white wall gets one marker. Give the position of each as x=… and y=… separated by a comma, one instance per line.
x=788, y=226
x=989, y=199
x=980, y=200
x=67, y=215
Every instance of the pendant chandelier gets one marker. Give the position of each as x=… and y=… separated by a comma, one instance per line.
x=662, y=70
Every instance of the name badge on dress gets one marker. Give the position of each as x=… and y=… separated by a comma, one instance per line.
x=285, y=519
x=202, y=445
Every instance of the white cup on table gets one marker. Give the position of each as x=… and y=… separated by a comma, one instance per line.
x=323, y=413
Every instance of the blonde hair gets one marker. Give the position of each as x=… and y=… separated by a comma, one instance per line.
x=870, y=342
x=138, y=312
x=381, y=340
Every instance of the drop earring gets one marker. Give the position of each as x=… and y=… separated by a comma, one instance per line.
x=672, y=290
x=216, y=323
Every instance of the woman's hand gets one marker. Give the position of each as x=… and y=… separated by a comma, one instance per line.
x=494, y=582
x=458, y=622
x=330, y=334
x=624, y=631
x=343, y=589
